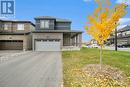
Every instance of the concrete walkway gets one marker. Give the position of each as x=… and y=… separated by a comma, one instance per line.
x=119, y=49
x=33, y=69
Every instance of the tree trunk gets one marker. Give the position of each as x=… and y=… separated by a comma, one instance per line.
x=100, y=57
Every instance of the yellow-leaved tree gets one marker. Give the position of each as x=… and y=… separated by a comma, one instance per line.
x=104, y=21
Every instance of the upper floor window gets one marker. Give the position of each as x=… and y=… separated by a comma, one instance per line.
x=124, y=33
x=128, y=32
x=45, y=24
x=118, y=34
x=20, y=27
x=5, y=26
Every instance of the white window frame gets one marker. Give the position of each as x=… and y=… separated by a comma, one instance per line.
x=124, y=33
x=6, y=26
x=128, y=32
x=44, y=24
x=20, y=26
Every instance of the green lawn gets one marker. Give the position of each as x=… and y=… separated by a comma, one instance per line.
x=120, y=59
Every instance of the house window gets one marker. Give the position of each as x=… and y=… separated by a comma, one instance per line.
x=45, y=24
x=20, y=27
x=124, y=33
x=5, y=26
x=118, y=34
x=128, y=32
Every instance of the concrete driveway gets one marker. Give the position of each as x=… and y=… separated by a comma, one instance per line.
x=32, y=69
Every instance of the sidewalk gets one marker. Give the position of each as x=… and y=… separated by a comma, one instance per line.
x=119, y=49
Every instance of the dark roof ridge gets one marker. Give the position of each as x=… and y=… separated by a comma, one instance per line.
x=23, y=21
x=55, y=18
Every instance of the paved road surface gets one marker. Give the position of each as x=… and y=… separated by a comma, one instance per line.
x=33, y=69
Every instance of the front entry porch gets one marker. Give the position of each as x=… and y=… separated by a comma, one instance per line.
x=72, y=41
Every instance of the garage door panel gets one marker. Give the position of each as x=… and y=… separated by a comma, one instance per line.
x=11, y=45
x=47, y=46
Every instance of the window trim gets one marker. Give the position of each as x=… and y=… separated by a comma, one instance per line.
x=127, y=32
x=6, y=28
x=18, y=25
x=43, y=24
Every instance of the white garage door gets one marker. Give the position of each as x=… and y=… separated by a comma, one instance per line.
x=47, y=45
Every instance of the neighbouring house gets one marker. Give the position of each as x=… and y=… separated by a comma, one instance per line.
x=55, y=34
x=48, y=34
x=93, y=44
x=15, y=35
x=93, y=41
x=123, y=37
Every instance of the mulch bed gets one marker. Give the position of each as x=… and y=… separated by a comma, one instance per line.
x=106, y=70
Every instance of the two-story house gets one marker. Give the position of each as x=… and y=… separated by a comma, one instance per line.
x=54, y=34
x=15, y=35
x=123, y=37
x=48, y=34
